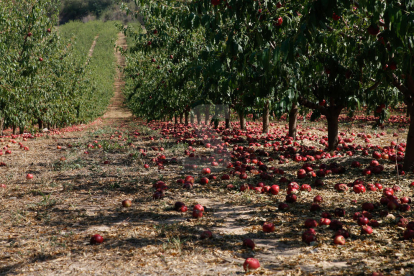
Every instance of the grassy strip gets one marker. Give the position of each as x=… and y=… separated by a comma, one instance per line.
x=101, y=68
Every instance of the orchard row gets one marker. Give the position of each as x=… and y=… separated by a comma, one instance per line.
x=264, y=57
x=45, y=77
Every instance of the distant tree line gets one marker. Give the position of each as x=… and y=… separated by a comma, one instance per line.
x=102, y=9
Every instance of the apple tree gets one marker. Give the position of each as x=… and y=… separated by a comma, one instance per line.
x=40, y=82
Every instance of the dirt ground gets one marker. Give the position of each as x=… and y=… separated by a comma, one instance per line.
x=81, y=175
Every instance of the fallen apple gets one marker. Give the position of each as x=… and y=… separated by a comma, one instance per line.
x=249, y=243
x=206, y=235
x=340, y=240
x=126, y=203
x=96, y=239
x=251, y=264
x=268, y=227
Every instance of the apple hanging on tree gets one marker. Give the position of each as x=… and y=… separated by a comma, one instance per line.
x=335, y=17
x=279, y=22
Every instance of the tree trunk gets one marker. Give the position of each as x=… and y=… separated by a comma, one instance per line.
x=227, y=116
x=332, y=117
x=181, y=118
x=216, y=123
x=266, y=117
x=192, y=118
x=409, y=153
x=207, y=113
x=409, y=108
x=2, y=126
x=242, y=120
x=21, y=129
x=186, y=118
x=40, y=123
x=175, y=119
x=293, y=121
x=14, y=129
x=198, y=114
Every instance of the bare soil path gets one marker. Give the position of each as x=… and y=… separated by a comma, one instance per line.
x=117, y=113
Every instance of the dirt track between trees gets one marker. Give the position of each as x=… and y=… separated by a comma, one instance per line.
x=117, y=113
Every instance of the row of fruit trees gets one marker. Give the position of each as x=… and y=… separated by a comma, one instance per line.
x=267, y=57
x=43, y=80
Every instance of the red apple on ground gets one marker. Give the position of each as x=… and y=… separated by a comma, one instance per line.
x=268, y=227
x=366, y=230
x=274, y=189
x=309, y=236
x=96, y=239
x=204, y=180
x=225, y=177
x=368, y=206
x=405, y=200
x=251, y=264
x=363, y=220
x=311, y=223
x=198, y=207
x=126, y=203
x=291, y=198
x=340, y=240
x=190, y=179
x=339, y=212
x=206, y=171
x=206, y=235
x=317, y=199
x=324, y=221
x=197, y=214
x=249, y=243
x=342, y=232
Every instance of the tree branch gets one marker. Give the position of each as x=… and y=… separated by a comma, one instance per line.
x=374, y=86
x=311, y=105
x=402, y=88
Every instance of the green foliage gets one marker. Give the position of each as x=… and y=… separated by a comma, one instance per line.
x=100, y=69
x=37, y=67
x=44, y=77
x=243, y=52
